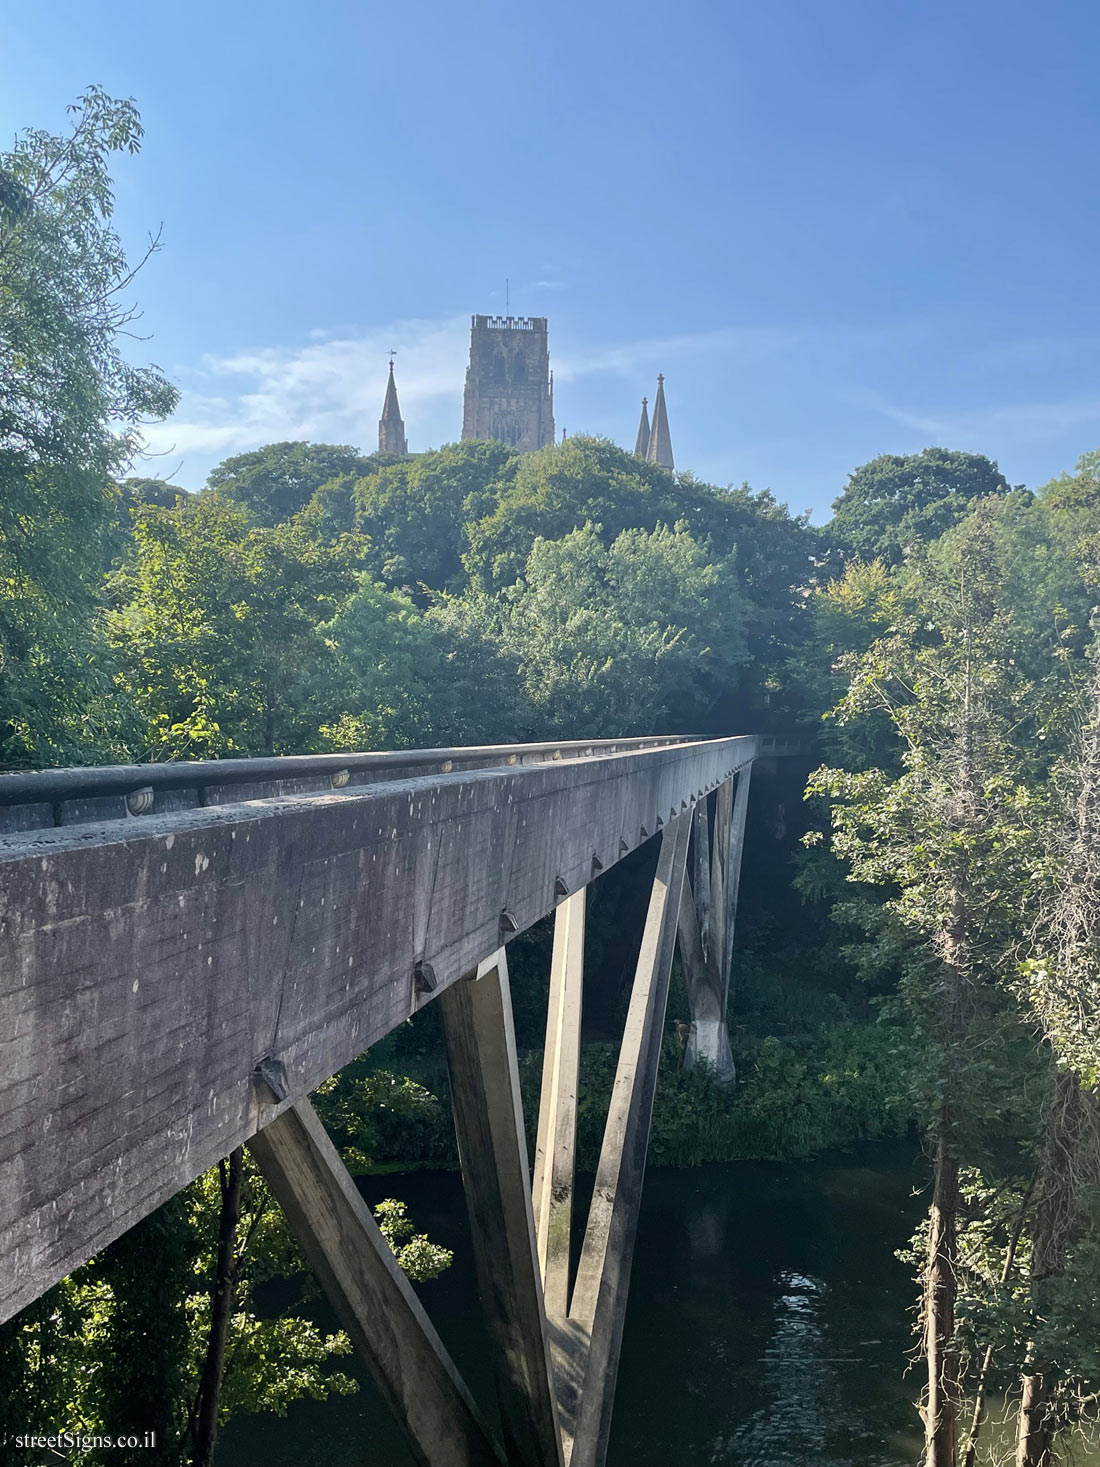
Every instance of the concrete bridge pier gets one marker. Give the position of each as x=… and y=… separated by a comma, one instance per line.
x=707, y=919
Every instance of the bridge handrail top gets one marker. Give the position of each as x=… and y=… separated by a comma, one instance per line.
x=90, y=781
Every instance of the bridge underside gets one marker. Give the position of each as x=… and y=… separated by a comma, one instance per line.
x=176, y=983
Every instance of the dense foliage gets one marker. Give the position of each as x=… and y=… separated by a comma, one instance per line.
x=900, y=501
x=70, y=410
x=275, y=482
x=962, y=801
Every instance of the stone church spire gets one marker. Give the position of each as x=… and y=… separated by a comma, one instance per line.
x=641, y=445
x=391, y=430
x=659, y=448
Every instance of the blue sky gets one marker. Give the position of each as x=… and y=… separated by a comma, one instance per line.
x=839, y=227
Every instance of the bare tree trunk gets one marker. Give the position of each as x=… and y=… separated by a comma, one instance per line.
x=940, y=1284
x=942, y=1398
x=1055, y=1211
x=971, y=1452
x=942, y=1402
x=1035, y=1424
x=1065, y=935
x=221, y=1308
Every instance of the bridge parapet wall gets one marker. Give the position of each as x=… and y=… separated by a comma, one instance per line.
x=40, y=799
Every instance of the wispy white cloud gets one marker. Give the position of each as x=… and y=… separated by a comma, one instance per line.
x=1037, y=353
x=629, y=358
x=329, y=389
x=1011, y=424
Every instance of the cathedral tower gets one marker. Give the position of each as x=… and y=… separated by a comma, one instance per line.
x=509, y=385
x=391, y=430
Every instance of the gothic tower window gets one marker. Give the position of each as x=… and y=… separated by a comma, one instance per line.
x=507, y=428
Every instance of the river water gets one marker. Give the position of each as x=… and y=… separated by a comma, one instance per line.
x=768, y=1323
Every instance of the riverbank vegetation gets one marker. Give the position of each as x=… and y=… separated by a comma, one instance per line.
x=917, y=943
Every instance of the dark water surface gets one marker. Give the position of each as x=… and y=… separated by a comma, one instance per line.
x=767, y=1326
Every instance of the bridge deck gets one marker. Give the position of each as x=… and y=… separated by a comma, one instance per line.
x=258, y=915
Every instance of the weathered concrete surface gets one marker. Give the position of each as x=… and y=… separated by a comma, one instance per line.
x=40, y=799
x=492, y=1147
x=707, y=959
x=588, y=1344
x=148, y=964
x=556, y=1144
x=374, y=1300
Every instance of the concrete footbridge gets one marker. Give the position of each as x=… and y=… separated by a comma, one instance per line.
x=188, y=950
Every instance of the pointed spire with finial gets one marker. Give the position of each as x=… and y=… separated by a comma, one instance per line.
x=391, y=430
x=659, y=448
x=641, y=445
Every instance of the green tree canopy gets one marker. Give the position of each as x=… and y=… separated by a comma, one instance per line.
x=591, y=481
x=136, y=492
x=389, y=671
x=1074, y=503
x=899, y=500
x=215, y=629
x=70, y=409
x=618, y=639
x=274, y=482
x=415, y=511
x=979, y=839
x=1079, y=490
x=560, y=489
